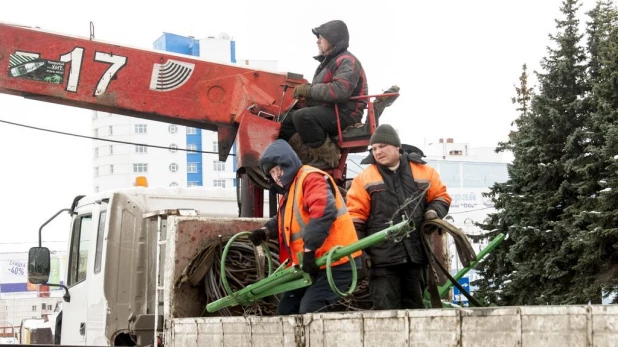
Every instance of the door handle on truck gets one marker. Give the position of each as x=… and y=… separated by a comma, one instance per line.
x=82, y=328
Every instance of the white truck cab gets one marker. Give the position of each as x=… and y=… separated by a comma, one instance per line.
x=112, y=252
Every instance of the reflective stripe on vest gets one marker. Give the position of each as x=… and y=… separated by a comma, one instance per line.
x=299, y=218
x=341, y=232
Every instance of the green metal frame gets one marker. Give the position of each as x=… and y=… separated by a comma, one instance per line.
x=286, y=278
x=290, y=278
x=445, y=288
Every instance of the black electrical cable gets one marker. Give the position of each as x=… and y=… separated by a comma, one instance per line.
x=107, y=140
x=242, y=270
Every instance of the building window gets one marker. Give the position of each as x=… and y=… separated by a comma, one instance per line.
x=192, y=147
x=215, y=146
x=191, y=184
x=141, y=149
x=111, y=169
x=191, y=131
x=111, y=130
x=96, y=152
x=173, y=184
x=140, y=167
x=218, y=183
x=173, y=167
x=111, y=149
x=218, y=165
x=173, y=148
x=191, y=167
x=96, y=132
x=172, y=129
x=34, y=309
x=96, y=189
x=96, y=171
x=455, y=153
x=141, y=128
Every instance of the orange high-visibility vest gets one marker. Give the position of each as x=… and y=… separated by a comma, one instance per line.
x=342, y=232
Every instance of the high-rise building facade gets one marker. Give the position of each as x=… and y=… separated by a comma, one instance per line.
x=187, y=156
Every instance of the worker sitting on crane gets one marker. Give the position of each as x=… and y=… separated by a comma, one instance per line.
x=312, y=219
x=339, y=77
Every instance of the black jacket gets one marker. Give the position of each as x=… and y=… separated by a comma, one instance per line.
x=340, y=74
x=387, y=191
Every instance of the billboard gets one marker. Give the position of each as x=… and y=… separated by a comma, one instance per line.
x=14, y=276
x=469, y=199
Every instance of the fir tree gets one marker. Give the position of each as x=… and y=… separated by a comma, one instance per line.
x=591, y=221
x=496, y=269
x=531, y=266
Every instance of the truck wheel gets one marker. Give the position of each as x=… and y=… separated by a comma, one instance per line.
x=58, y=330
x=124, y=340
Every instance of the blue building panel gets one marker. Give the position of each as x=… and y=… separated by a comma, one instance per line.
x=190, y=46
x=233, y=59
x=195, y=48
x=196, y=140
x=233, y=51
x=196, y=177
x=178, y=44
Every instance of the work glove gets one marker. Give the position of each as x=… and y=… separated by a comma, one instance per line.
x=431, y=214
x=257, y=236
x=309, y=265
x=301, y=90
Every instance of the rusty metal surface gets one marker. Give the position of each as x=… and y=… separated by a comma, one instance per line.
x=191, y=234
x=254, y=135
x=134, y=82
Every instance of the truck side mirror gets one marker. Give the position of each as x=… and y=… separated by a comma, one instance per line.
x=38, y=265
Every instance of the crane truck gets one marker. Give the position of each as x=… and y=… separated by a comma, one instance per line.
x=129, y=249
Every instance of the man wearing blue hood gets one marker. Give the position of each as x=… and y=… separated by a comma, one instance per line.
x=339, y=77
x=312, y=218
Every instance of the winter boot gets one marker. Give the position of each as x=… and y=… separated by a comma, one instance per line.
x=307, y=154
x=303, y=152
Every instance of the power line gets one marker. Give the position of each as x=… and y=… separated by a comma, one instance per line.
x=28, y=242
x=480, y=209
x=107, y=140
x=352, y=171
x=355, y=163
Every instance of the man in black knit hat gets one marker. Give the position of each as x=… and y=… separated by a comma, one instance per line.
x=397, y=270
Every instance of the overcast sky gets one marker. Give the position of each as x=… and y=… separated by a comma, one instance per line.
x=455, y=61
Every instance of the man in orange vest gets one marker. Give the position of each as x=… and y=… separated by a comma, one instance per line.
x=397, y=174
x=312, y=219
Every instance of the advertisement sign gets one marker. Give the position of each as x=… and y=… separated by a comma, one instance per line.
x=469, y=199
x=14, y=276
